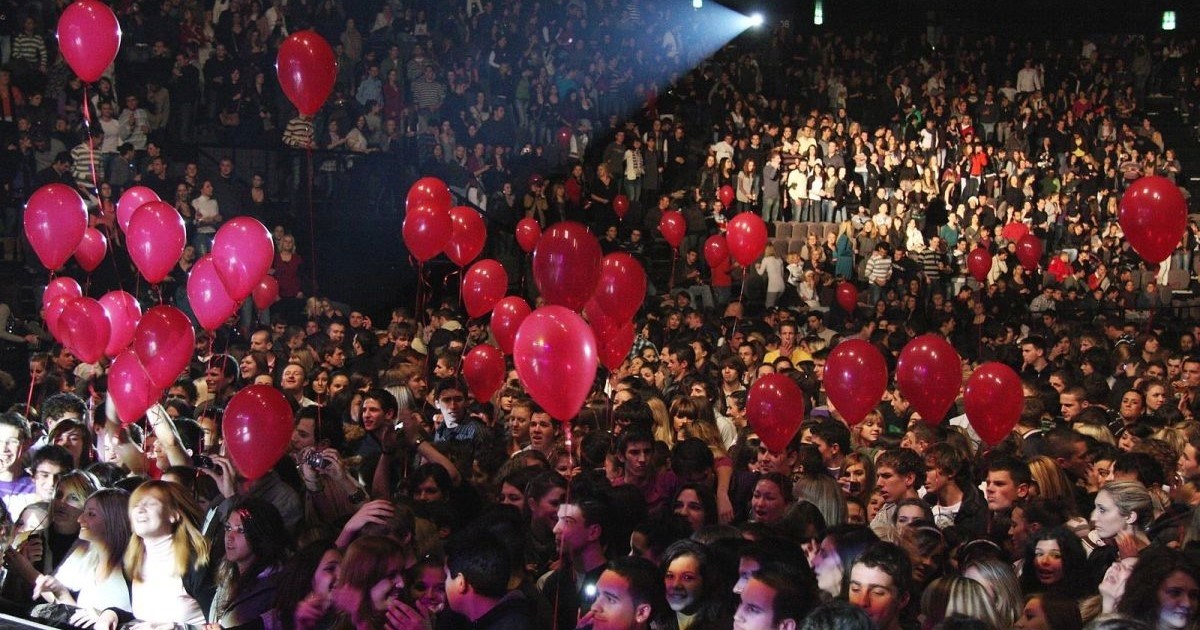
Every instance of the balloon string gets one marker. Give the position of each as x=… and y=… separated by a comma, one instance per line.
x=562, y=559
x=87, y=124
x=671, y=278
x=29, y=398
x=312, y=230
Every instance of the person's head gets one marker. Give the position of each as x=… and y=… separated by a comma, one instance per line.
x=70, y=494
x=1049, y=611
x=14, y=439
x=629, y=595
x=48, y=466
x=370, y=574
x=1008, y=479
x=61, y=406
x=770, y=499
x=255, y=538
x=832, y=439
x=582, y=518
x=898, y=473
x=159, y=509
x=379, y=408
x=477, y=572
x=1054, y=561
x=104, y=523
x=635, y=450
x=836, y=553
x=1164, y=587
x=776, y=597
x=879, y=582
x=954, y=594
x=691, y=578
x=1121, y=506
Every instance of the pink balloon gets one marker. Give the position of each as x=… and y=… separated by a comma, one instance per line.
x=91, y=250
x=507, y=316
x=52, y=310
x=266, y=293
x=622, y=286
x=84, y=329
x=467, y=236
x=155, y=238
x=210, y=302
x=555, y=355
x=993, y=400
x=164, y=342
x=774, y=408
x=132, y=199
x=307, y=70
x=528, y=233
x=55, y=220
x=929, y=375
x=430, y=192
x=483, y=369
x=856, y=377
x=258, y=429
x=426, y=231
x=123, y=313
x=130, y=387
x=613, y=340
x=673, y=227
x=747, y=237
x=242, y=252
x=566, y=265
x=1153, y=216
x=88, y=37
x=60, y=292
x=483, y=285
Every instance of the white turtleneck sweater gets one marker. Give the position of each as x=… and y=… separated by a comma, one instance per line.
x=158, y=593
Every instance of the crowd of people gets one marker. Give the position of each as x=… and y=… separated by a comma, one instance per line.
x=405, y=501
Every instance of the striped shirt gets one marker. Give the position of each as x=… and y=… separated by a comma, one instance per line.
x=31, y=48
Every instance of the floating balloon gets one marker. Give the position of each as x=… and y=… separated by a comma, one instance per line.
x=130, y=387
x=55, y=220
x=556, y=360
x=123, y=313
x=566, y=265
x=156, y=237
x=210, y=302
x=84, y=329
x=856, y=378
x=257, y=429
x=747, y=237
x=775, y=408
x=430, y=192
x=483, y=285
x=1153, y=216
x=847, y=296
x=993, y=400
x=929, y=375
x=132, y=199
x=266, y=293
x=91, y=250
x=242, y=253
x=979, y=263
x=528, y=233
x=1029, y=251
x=164, y=342
x=621, y=206
x=725, y=194
x=716, y=251
x=622, y=286
x=673, y=227
x=615, y=346
x=467, y=236
x=307, y=70
x=507, y=316
x=426, y=231
x=60, y=292
x=88, y=37
x=483, y=369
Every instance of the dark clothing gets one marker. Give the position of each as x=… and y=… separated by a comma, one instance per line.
x=568, y=596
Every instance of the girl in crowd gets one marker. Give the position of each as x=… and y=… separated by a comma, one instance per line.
x=369, y=577
x=697, y=592
x=256, y=542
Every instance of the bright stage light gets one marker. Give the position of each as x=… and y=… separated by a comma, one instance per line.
x=756, y=19
x=697, y=4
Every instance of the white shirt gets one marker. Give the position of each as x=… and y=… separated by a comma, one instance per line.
x=158, y=593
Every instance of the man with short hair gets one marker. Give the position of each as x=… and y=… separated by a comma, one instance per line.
x=1008, y=479
x=582, y=521
x=898, y=474
x=635, y=453
x=777, y=597
x=832, y=439
x=477, y=574
x=1034, y=365
x=953, y=499
x=629, y=596
x=1072, y=401
x=879, y=583
x=17, y=488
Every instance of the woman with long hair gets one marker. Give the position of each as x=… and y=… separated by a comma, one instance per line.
x=1163, y=589
x=1056, y=563
x=695, y=505
x=91, y=577
x=304, y=587
x=836, y=553
x=697, y=592
x=74, y=436
x=369, y=577
x=747, y=188
x=256, y=543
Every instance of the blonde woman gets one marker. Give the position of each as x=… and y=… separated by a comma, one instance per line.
x=959, y=595
x=772, y=267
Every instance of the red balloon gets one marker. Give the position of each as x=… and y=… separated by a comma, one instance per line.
x=243, y=253
x=993, y=400
x=979, y=263
x=132, y=199
x=775, y=408
x=483, y=285
x=266, y=293
x=483, y=369
x=747, y=237
x=257, y=429
x=673, y=227
x=716, y=251
x=929, y=375
x=307, y=70
x=621, y=206
x=528, y=233
x=1153, y=216
x=725, y=194
x=91, y=250
x=210, y=302
x=430, y=192
x=123, y=313
x=155, y=238
x=566, y=265
x=507, y=316
x=62, y=286
x=555, y=355
x=564, y=137
x=615, y=346
x=88, y=37
x=426, y=231
x=130, y=387
x=164, y=342
x=84, y=329
x=1029, y=251
x=622, y=286
x=52, y=310
x=55, y=220
x=856, y=377
x=467, y=236
x=847, y=296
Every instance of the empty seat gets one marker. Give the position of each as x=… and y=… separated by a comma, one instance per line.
x=800, y=231
x=783, y=230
